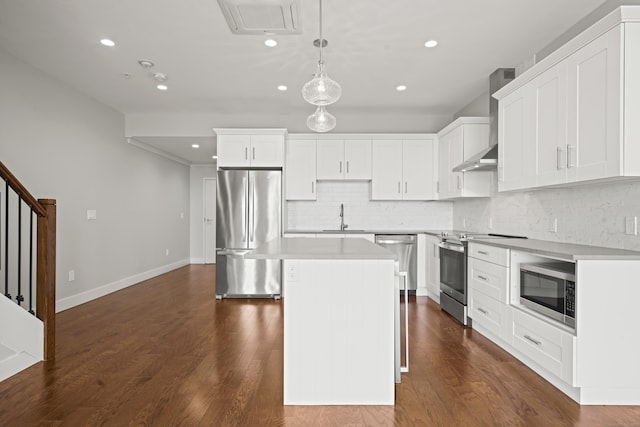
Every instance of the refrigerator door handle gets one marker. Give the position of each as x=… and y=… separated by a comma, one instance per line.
x=252, y=207
x=244, y=209
x=234, y=252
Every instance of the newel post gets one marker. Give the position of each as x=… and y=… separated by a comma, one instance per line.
x=46, y=276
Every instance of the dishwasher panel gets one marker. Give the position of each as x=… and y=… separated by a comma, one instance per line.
x=405, y=247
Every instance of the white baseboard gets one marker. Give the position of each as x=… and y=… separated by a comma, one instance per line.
x=81, y=298
x=15, y=364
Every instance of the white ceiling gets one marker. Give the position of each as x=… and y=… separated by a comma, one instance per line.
x=374, y=45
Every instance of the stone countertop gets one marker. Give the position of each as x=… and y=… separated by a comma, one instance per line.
x=564, y=251
x=321, y=248
x=355, y=231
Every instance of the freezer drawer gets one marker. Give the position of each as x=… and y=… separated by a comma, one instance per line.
x=239, y=277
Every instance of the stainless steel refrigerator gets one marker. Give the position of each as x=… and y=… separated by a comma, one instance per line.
x=249, y=213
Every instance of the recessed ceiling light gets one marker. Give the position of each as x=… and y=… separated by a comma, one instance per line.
x=431, y=43
x=162, y=87
x=107, y=42
x=282, y=88
x=401, y=88
x=270, y=43
x=195, y=145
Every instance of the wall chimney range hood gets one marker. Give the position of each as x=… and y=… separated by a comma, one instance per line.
x=487, y=159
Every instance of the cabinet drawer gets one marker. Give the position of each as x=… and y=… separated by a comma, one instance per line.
x=492, y=254
x=490, y=279
x=547, y=345
x=489, y=314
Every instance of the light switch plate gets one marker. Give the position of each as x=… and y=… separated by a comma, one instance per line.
x=92, y=214
x=292, y=271
x=631, y=225
x=553, y=225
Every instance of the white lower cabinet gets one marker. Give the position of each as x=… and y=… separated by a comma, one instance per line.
x=545, y=344
x=490, y=315
x=433, y=267
x=488, y=280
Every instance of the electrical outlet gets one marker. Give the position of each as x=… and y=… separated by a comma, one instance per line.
x=166, y=252
x=92, y=214
x=72, y=275
x=292, y=271
x=465, y=223
x=631, y=225
x=553, y=225
x=181, y=215
x=490, y=223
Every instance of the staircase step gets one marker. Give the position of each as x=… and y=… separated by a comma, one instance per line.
x=16, y=363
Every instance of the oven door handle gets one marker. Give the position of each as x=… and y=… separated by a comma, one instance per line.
x=451, y=247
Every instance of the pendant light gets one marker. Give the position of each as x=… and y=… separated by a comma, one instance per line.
x=321, y=120
x=321, y=89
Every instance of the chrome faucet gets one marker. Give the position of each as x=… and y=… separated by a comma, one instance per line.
x=343, y=226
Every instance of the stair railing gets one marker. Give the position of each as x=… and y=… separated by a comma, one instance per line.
x=14, y=265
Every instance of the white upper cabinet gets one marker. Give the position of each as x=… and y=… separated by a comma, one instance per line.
x=344, y=159
x=458, y=142
x=577, y=109
x=250, y=147
x=403, y=169
x=300, y=170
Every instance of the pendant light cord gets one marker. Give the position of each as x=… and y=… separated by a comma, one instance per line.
x=321, y=39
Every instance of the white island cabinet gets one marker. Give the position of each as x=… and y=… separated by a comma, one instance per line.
x=340, y=335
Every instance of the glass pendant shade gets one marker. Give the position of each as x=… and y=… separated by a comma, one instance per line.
x=321, y=90
x=321, y=120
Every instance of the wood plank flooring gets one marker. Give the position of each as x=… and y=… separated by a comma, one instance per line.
x=165, y=353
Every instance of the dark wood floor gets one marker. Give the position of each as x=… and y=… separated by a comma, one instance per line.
x=165, y=353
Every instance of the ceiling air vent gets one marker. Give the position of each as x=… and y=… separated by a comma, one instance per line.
x=261, y=16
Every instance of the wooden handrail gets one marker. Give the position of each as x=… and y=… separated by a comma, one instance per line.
x=21, y=191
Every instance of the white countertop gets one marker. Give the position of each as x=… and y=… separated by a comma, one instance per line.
x=319, y=248
x=564, y=251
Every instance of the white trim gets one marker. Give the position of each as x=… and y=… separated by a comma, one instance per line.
x=204, y=211
x=463, y=121
x=353, y=136
x=81, y=298
x=157, y=151
x=250, y=131
x=196, y=260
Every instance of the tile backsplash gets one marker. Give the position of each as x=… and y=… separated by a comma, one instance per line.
x=361, y=213
x=591, y=214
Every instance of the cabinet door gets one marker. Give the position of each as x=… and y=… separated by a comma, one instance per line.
x=233, y=150
x=417, y=170
x=433, y=267
x=456, y=156
x=267, y=150
x=515, y=147
x=550, y=92
x=386, y=170
x=301, y=170
x=357, y=158
x=593, y=148
x=442, y=186
x=330, y=159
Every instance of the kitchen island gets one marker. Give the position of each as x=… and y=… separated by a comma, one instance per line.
x=340, y=305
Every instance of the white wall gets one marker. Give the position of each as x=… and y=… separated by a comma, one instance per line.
x=197, y=174
x=64, y=145
x=591, y=214
x=362, y=213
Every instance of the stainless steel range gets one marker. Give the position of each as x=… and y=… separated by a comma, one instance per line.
x=453, y=271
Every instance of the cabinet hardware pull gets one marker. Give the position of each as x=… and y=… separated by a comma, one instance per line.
x=536, y=342
x=483, y=253
x=253, y=153
x=483, y=311
x=341, y=166
x=458, y=181
x=246, y=153
x=347, y=166
x=312, y=187
x=570, y=149
x=482, y=278
x=558, y=158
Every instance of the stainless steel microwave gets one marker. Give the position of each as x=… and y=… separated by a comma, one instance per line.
x=550, y=289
